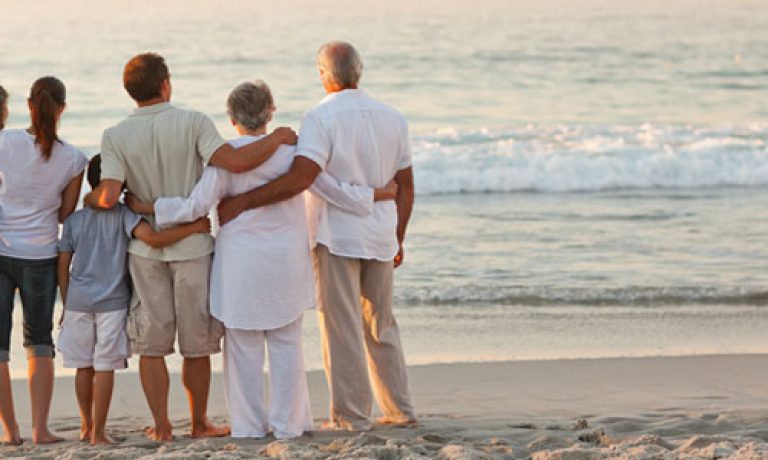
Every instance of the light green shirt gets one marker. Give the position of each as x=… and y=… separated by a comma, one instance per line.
x=160, y=150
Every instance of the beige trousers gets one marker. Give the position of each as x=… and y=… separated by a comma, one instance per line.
x=360, y=338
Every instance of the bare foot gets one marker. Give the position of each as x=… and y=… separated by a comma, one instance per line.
x=46, y=437
x=209, y=430
x=159, y=434
x=11, y=438
x=85, y=433
x=397, y=421
x=101, y=440
x=329, y=425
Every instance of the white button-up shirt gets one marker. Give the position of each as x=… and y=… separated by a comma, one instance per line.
x=357, y=140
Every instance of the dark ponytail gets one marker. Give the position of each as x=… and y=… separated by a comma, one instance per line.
x=47, y=96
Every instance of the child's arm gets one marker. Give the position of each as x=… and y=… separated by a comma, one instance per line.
x=166, y=237
x=65, y=259
x=66, y=248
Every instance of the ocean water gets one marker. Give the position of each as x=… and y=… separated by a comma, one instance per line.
x=591, y=175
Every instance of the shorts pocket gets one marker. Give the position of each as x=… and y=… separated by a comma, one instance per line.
x=133, y=322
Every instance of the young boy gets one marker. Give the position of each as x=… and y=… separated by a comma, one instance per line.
x=96, y=295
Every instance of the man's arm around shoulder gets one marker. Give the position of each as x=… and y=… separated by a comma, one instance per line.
x=250, y=156
x=301, y=175
x=105, y=196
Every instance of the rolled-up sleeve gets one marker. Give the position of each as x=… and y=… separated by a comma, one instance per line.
x=79, y=164
x=65, y=243
x=404, y=159
x=130, y=221
x=208, y=138
x=314, y=140
x=112, y=162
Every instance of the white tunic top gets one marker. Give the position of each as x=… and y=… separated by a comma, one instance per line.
x=262, y=269
x=357, y=140
x=30, y=193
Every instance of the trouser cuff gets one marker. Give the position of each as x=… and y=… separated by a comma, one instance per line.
x=40, y=351
x=4, y=356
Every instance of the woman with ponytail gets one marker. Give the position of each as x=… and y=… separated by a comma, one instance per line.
x=41, y=176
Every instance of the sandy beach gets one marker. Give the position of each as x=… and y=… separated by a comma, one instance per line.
x=633, y=408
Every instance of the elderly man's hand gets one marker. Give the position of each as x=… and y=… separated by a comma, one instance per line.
x=231, y=207
x=286, y=135
x=400, y=256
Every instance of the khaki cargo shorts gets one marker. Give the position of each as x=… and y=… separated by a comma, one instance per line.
x=171, y=297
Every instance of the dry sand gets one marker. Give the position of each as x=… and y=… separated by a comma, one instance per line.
x=634, y=408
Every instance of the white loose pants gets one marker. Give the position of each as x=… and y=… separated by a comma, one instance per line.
x=289, y=414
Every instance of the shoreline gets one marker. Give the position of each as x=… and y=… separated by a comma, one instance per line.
x=668, y=407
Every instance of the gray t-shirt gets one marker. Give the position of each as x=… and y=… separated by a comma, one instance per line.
x=98, y=279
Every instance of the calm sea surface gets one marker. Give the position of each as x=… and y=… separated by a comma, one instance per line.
x=592, y=176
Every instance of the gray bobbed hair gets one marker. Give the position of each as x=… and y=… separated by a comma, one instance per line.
x=250, y=104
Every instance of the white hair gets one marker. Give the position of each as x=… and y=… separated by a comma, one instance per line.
x=343, y=63
x=250, y=104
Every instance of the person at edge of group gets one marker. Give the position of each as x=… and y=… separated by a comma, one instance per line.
x=96, y=296
x=160, y=150
x=357, y=140
x=41, y=178
x=3, y=107
x=262, y=279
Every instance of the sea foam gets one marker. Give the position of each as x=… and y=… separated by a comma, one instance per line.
x=583, y=158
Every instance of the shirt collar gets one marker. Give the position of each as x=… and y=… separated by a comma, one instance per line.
x=344, y=93
x=152, y=109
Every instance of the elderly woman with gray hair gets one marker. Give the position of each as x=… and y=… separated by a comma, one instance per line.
x=262, y=279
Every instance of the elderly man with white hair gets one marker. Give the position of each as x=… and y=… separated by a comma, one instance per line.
x=261, y=280
x=357, y=140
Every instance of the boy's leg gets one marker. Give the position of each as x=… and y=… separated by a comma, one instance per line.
x=110, y=352
x=76, y=344
x=102, y=397
x=7, y=413
x=199, y=337
x=84, y=393
x=290, y=414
